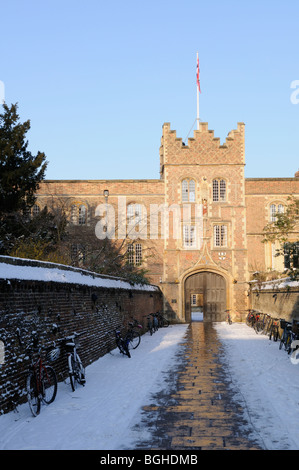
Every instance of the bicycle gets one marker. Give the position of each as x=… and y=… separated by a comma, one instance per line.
x=274, y=329
x=228, y=317
x=286, y=337
x=162, y=321
x=266, y=324
x=75, y=368
x=251, y=317
x=149, y=324
x=155, y=322
x=122, y=343
x=294, y=337
x=260, y=322
x=41, y=382
x=133, y=334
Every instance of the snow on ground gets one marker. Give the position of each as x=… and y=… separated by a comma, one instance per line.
x=268, y=384
x=98, y=416
x=102, y=414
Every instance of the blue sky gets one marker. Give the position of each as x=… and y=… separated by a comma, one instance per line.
x=98, y=80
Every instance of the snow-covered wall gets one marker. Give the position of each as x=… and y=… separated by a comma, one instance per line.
x=279, y=298
x=24, y=269
x=36, y=295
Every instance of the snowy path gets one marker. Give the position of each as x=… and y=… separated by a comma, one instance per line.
x=268, y=384
x=98, y=416
x=101, y=415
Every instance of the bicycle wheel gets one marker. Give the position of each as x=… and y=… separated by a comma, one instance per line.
x=282, y=340
x=49, y=384
x=256, y=327
x=288, y=343
x=126, y=348
x=32, y=394
x=275, y=334
x=134, y=339
x=76, y=371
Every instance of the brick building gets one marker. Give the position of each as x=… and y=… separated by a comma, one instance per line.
x=197, y=229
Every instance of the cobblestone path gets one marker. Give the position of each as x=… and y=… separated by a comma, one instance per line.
x=197, y=410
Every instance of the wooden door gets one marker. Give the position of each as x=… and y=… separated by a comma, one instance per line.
x=211, y=288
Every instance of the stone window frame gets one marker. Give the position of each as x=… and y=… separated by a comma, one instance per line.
x=135, y=254
x=219, y=189
x=35, y=209
x=220, y=235
x=189, y=237
x=187, y=194
x=76, y=217
x=272, y=209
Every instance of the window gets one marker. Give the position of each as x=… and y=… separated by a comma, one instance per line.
x=220, y=235
x=131, y=254
x=275, y=209
x=134, y=214
x=219, y=190
x=31, y=212
x=82, y=215
x=291, y=255
x=135, y=254
x=189, y=236
x=35, y=210
x=188, y=190
x=194, y=300
x=138, y=254
x=78, y=214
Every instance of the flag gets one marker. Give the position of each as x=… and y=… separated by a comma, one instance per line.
x=197, y=75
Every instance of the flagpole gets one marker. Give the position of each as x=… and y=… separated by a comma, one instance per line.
x=197, y=93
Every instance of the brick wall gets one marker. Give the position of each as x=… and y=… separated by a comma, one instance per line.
x=84, y=306
x=277, y=298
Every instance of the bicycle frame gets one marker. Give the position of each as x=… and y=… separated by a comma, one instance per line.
x=69, y=346
x=122, y=343
x=228, y=317
x=37, y=367
x=41, y=378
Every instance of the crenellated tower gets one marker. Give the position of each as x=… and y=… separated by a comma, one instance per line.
x=212, y=258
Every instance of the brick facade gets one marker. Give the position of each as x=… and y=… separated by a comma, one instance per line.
x=228, y=241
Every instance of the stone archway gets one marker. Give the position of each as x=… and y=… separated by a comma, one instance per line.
x=205, y=292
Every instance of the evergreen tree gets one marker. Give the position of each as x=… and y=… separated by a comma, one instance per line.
x=20, y=175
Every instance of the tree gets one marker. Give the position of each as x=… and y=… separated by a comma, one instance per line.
x=284, y=229
x=42, y=237
x=20, y=175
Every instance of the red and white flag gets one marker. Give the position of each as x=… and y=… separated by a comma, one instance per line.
x=197, y=76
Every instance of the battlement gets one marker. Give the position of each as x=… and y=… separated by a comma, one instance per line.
x=204, y=129
x=203, y=147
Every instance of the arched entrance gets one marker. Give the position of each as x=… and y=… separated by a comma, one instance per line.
x=205, y=294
